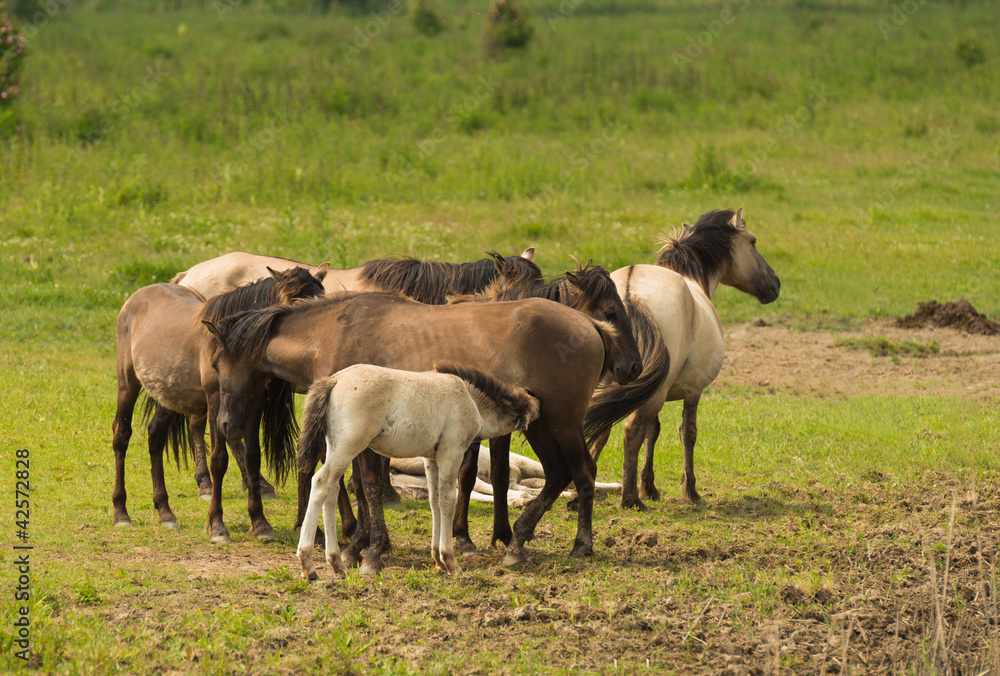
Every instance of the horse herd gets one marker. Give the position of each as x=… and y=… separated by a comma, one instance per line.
x=408, y=358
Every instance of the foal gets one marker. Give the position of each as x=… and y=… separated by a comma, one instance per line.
x=434, y=414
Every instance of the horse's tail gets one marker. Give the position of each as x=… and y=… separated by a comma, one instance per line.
x=178, y=434
x=614, y=402
x=312, y=440
x=280, y=428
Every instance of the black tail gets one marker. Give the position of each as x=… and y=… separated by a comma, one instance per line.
x=179, y=435
x=615, y=402
x=312, y=440
x=279, y=428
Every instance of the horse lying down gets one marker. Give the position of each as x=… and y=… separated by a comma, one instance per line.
x=526, y=479
x=435, y=415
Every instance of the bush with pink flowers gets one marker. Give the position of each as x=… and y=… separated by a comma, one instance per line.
x=12, y=47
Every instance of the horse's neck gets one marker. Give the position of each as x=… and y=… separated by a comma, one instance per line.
x=290, y=360
x=490, y=421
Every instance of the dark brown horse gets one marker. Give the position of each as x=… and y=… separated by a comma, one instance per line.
x=589, y=290
x=681, y=340
x=555, y=353
x=163, y=349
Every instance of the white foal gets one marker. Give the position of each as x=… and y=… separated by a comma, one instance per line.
x=435, y=415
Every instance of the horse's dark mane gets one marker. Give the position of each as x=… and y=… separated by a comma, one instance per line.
x=503, y=396
x=702, y=249
x=259, y=294
x=247, y=333
x=593, y=281
x=431, y=282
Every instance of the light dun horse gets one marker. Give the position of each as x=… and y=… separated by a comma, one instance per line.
x=401, y=414
x=680, y=337
x=163, y=348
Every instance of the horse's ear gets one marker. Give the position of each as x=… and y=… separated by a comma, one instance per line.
x=579, y=267
x=737, y=219
x=274, y=273
x=573, y=277
x=529, y=254
x=498, y=262
x=321, y=271
x=211, y=327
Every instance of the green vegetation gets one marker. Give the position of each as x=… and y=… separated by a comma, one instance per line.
x=879, y=346
x=861, y=139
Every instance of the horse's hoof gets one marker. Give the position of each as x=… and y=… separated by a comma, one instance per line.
x=515, y=555
x=221, y=538
x=464, y=547
x=313, y=576
x=206, y=497
x=126, y=523
x=582, y=552
x=636, y=504
x=650, y=494
x=270, y=495
x=370, y=569
x=172, y=524
x=267, y=537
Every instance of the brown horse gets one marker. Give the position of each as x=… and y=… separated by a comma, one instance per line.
x=672, y=314
x=555, y=353
x=163, y=349
x=590, y=290
x=425, y=281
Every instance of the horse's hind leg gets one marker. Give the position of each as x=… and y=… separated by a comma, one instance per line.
x=351, y=555
x=446, y=470
x=466, y=482
x=500, y=479
x=689, y=435
x=378, y=544
x=159, y=430
x=239, y=454
x=634, y=434
x=128, y=393
x=202, y=476
x=323, y=482
x=647, y=483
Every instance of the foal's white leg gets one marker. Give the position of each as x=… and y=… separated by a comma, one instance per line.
x=323, y=483
x=433, y=497
x=449, y=462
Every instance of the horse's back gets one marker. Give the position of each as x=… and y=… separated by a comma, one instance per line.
x=233, y=269
x=687, y=321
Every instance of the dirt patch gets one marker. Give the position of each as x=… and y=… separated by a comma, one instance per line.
x=781, y=359
x=957, y=314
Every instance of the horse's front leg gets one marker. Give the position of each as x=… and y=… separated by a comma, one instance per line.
x=466, y=481
x=255, y=507
x=218, y=463
x=362, y=532
x=239, y=453
x=557, y=477
x=159, y=431
x=689, y=435
x=500, y=478
x=434, y=498
x=128, y=392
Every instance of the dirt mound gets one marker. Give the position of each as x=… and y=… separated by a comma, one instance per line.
x=957, y=314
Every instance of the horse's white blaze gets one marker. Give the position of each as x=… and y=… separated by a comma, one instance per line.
x=399, y=414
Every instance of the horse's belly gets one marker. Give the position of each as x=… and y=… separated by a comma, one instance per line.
x=172, y=389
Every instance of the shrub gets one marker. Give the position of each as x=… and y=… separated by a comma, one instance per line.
x=507, y=27
x=425, y=15
x=969, y=49
x=11, y=59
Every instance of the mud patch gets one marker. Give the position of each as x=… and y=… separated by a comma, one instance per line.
x=956, y=314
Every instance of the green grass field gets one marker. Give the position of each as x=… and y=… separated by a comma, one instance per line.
x=862, y=139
